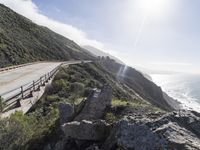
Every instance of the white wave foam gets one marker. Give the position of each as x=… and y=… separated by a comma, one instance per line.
x=178, y=88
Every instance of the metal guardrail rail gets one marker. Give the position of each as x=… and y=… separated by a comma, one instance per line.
x=27, y=90
x=16, y=66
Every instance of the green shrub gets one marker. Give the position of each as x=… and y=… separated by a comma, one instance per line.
x=110, y=117
x=52, y=98
x=19, y=129
x=77, y=87
x=61, y=75
x=58, y=85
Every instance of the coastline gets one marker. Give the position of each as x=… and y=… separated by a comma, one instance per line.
x=177, y=90
x=172, y=102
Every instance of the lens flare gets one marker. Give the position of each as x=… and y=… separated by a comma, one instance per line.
x=153, y=7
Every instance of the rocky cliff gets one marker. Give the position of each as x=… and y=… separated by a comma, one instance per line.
x=140, y=84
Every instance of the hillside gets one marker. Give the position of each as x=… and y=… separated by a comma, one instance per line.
x=90, y=106
x=96, y=52
x=23, y=41
x=71, y=85
x=61, y=119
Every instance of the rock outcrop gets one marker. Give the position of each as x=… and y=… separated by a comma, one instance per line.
x=132, y=136
x=178, y=130
x=96, y=104
x=86, y=130
x=174, y=131
x=66, y=112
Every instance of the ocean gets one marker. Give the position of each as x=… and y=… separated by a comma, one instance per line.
x=182, y=87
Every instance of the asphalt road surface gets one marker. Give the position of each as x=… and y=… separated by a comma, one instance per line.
x=14, y=79
x=18, y=77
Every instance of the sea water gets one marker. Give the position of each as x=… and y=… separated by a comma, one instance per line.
x=182, y=87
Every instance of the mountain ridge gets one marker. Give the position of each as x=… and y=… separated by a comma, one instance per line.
x=97, y=52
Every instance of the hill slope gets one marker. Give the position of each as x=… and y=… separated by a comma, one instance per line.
x=23, y=41
x=96, y=52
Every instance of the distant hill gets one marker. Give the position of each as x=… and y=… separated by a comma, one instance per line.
x=96, y=52
x=23, y=41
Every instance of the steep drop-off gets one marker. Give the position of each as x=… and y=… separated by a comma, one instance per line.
x=140, y=84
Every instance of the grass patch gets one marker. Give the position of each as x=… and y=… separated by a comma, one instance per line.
x=131, y=103
x=110, y=117
x=136, y=104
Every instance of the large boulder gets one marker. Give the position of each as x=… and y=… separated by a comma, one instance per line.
x=132, y=135
x=86, y=130
x=173, y=131
x=66, y=112
x=96, y=104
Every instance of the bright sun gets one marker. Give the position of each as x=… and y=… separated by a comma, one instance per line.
x=153, y=7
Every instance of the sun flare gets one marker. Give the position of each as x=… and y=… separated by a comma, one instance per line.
x=153, y=7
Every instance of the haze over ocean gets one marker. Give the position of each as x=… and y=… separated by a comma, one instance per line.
x=183, y=87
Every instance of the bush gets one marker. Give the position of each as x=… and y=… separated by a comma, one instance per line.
x=52, y=98
x=77, y=87
x=19, y=129
x=16, y=131
x=58, y=85
x=110, y=117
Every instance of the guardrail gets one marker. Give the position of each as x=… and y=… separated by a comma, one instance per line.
x=16, y=66
x=26, y=90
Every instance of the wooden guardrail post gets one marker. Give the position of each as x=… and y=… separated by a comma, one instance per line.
x=18, y=103
x=22, y=97
x=1, y=104
x=45, y=78
x=33, y=85
x=41, y=81
x=49, y=76
x=22, y=92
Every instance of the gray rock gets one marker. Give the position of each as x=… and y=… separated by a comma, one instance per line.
x=133, y=135
x=66, y=112
x=93, y=147
x=96, y=104
x=86, y=130
x=174, y=131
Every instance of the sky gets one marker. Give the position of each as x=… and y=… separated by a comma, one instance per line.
x=161, y=35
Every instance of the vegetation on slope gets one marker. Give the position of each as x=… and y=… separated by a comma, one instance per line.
x=22, y=41
x=136, y=81
x=71, y=84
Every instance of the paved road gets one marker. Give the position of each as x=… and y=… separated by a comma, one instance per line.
x=12, y=80
x=15, y=78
